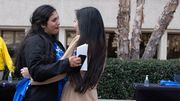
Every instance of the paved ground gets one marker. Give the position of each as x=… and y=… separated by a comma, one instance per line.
x=114, y=100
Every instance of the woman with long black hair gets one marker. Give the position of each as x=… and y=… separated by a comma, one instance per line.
x=81, y=85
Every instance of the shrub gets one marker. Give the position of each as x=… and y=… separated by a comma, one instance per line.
x=119, y=75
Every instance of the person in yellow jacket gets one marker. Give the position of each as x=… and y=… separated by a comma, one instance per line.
x=5, y=58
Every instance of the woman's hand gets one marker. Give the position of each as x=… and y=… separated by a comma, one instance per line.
x=75, y=61
x=25, y=73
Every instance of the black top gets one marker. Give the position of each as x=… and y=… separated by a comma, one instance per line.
x=156, y=92
x=7, y=90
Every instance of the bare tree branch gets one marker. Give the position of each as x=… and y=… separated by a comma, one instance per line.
x=139, y=18
x=123, y=20
x=163, y=22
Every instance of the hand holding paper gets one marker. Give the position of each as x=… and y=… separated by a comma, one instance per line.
x=82, y=52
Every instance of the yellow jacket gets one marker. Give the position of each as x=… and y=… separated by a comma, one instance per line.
x=5, y=57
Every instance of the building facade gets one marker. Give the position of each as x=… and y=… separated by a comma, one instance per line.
x=15, y=15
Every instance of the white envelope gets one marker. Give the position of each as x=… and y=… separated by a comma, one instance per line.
x=82, y=50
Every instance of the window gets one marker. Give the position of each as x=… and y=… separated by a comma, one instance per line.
x=110, y=38
x=112, y=44
x=173, y=46
x=69, y=35
x=144, y=40
x=12, y=38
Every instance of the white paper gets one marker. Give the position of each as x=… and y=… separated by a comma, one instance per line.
x=82, y=50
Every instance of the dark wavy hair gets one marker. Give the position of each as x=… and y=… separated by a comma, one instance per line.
x=92, y=33
x=40, y=16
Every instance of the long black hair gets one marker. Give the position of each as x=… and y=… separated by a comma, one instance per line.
x=92, y=32
x=39, y=17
